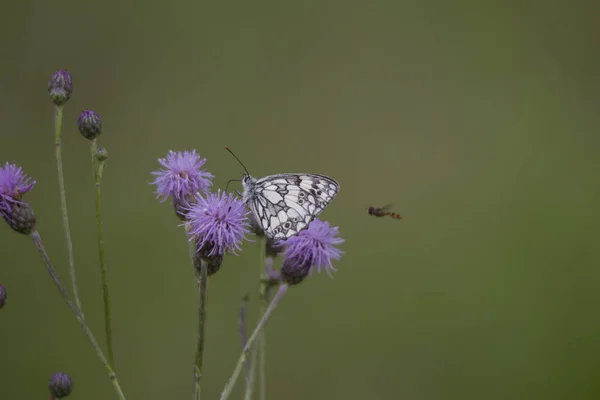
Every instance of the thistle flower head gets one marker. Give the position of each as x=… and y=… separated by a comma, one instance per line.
x=2, y=296
x=89, y=124
x=60, y=385
x=182, y=175
x=218, y=223
x=60, y=87
x=314, y=247
x=14, y=183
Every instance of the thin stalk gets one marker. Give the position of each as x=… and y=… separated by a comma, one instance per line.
x=242, y=329
x=202, y=298
x=98, y=170
x=251, y=372
x=37, y=240
x=262, y=354
x=257, y=351
x=58, y=117
x=259, y=327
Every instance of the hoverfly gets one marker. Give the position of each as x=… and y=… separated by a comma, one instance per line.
x=383, y=211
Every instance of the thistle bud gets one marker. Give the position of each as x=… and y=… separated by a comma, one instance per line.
x=101, y=154
x=20, y=217
x=60, y=87
x=2, y=296
x=294, y=272
x=182, y=205
x=60, y=385
x=89, y=124
x=213, y=263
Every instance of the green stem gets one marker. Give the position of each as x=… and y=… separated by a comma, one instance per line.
x=258, y=352
x=251, y=372
x=243, y=334
x=202, y=297
x=58, y=117
x=262, y=352
x=37, y=240
x=98, y=183
x=259, y=327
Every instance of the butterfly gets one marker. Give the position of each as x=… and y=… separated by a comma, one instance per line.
x=284, y=204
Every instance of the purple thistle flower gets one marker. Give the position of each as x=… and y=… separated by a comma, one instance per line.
x=218, y=223
x=14, y=183
x=181, y=176
x=314, y=247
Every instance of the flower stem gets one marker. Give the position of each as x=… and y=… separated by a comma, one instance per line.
x=37, y=240
x=202, y=297
x=243, y=331
x=262, y=352
x=58, y=117
x=251, y=372
x=257, y=351
x=98, y=170
x=263, y=321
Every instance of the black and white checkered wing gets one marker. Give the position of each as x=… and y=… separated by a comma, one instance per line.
x=284, y=204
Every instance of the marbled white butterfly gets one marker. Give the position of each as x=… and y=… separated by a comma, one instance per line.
x=284, y=204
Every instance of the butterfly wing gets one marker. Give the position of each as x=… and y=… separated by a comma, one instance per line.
x=284, y=204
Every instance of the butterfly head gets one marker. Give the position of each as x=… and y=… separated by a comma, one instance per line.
x=249, y=184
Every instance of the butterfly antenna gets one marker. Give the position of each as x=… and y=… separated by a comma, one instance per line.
x=238, y=160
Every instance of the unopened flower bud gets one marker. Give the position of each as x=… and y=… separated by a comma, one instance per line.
x=101, y=154
x=89, y=124
x=293, y=272
x=20, y=218
x=213, y=263
x=60, y=385
x=60, y=87
x=182, y=205
x=2, y=296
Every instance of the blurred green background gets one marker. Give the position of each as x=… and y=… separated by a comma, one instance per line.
x=478, y=120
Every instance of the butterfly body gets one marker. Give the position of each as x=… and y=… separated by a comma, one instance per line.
x=284, y=204
x=383, y=212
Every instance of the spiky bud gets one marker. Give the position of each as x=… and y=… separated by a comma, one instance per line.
x=181, y=206
x=213, y=263
x=60, y=385
x=20, y=218
x=2, y=296
x=89, y=124
x=60, y=87
x=101, y=154
x=293, y=272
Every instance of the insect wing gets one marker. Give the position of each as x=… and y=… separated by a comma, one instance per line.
x=286, y=203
